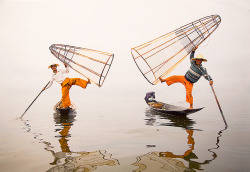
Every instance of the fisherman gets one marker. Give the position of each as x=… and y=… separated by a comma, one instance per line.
x=66, y=83
x=194, y=73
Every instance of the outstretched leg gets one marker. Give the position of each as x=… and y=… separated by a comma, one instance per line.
x=78, y=81
x=174, y=79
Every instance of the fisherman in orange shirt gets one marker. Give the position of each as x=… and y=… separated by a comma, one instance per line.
x=66, y=83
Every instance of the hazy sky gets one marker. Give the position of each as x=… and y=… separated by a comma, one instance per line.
x=29, y=27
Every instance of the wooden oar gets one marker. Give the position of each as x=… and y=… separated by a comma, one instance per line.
x=34, y=100
x=219, y=105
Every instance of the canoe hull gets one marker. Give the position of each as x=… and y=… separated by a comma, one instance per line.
x=167, y=108
x=64, y=111
x=171, y=109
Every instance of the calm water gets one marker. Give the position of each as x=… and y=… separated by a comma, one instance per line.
x=123, y=134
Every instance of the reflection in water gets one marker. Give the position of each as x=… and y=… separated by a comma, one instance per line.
x=167, y=160
x=159, y=119
x=64, y=122
x=75, y=161
x=82, y=161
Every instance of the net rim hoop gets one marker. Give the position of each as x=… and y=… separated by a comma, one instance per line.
x=112, y=58
x=138, y=65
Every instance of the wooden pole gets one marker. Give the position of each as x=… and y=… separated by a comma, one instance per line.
x=219, y=105
x=34, y=100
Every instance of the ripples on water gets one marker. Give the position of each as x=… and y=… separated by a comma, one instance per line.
x=67, y=160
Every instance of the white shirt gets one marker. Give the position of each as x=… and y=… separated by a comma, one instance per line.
x=59, y=76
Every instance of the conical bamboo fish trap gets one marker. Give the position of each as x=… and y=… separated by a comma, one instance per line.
x=159, y=57
x=90, y=63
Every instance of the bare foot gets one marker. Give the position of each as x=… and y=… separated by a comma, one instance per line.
x=89, y=82
x=162, y=80
x=191, y=106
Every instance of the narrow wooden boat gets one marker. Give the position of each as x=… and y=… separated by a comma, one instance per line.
x=167, y=108
x=64, y=111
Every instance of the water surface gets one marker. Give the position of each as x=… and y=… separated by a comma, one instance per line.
x=125, y=136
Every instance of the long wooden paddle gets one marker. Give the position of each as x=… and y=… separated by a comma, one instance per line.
x=219, y=105
x=34, y=100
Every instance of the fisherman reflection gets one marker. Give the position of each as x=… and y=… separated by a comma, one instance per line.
x=74, y=161
x=168, y=161
x=65, y=122
x=187, y=153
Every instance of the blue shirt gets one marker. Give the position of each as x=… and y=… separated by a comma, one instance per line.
x=196, y=71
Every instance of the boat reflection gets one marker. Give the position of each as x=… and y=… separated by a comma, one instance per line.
x=67, y=160
x=162, y=119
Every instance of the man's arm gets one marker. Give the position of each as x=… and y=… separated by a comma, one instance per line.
x=67, y=68
x=50, y=83
x=208, y=77
x=192, y=54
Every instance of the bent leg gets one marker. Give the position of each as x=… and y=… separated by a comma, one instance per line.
x=78, y=81
x=65, y=96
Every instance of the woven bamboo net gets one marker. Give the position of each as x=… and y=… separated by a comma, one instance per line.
x=160, y=56
x=90, y=63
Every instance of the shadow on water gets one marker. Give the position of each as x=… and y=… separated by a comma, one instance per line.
x=167, y=160
x=162, y=119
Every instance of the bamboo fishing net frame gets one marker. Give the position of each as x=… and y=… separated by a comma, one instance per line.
x=61, y=52
x=204, y=27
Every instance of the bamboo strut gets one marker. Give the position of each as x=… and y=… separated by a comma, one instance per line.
x=172, y=56
x=83, y=56
x=186, y=55
x=168, y=34
x=85, y=49
x=184, y=32
x=168, y=59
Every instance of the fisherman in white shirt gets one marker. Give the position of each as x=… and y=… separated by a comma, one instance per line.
x=66, y=83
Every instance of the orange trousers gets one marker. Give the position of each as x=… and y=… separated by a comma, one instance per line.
x=66, y=85
x=188, y=85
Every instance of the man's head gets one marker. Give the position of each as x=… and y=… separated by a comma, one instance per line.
x=199, y=59
x=53, y=67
